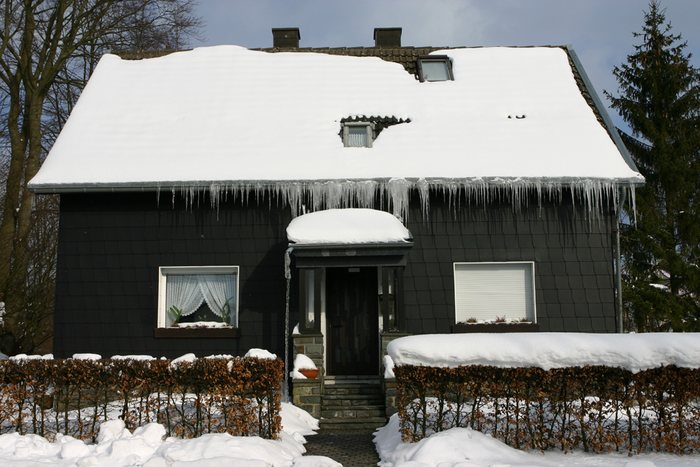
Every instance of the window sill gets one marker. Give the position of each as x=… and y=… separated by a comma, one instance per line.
x=495, y=327
x=197, y=333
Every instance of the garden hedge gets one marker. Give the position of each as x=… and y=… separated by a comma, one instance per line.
x=594, y=408
x=240, y=396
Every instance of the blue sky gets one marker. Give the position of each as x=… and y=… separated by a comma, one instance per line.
x=599, y=30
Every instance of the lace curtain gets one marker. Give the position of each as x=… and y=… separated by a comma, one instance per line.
x=187, y=292
x=218, y=292
x=357, y=136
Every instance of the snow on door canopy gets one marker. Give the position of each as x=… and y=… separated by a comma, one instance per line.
x=347, y=226
x=236, y=122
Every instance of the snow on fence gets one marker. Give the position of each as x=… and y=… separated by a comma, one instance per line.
x=598, y=393
x=190, y=397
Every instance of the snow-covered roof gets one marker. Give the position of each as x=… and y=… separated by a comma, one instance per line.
x=347, y=226
x=226, y=115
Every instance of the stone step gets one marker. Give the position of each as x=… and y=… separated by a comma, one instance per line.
x=364, y=412
x=364, y=407
x=352, y=390
x=351, y=404
x=353, y=399
x=352, y=424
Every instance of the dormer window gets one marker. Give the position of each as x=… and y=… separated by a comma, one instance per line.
x=357, y=134
x=435, y=68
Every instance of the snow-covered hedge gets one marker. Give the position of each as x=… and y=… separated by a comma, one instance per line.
x=189, y=396
x=558, y=394
x=547, y=350
x=592, y=408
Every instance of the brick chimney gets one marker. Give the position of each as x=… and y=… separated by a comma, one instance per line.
x=285, y=37
x=387, y=37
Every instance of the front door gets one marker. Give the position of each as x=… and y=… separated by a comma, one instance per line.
x=352, y=327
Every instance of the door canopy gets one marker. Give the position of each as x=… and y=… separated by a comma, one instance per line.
x=347, y=227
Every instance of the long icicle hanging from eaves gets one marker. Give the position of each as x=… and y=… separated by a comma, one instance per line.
x=393, y=195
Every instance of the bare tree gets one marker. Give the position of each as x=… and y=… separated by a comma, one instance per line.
x=48, y=49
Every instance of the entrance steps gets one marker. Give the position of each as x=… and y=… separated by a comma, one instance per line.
x=352, y=404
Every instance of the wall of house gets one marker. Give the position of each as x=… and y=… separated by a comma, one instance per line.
x=110, y=248
x=573, y=255
x=111, y=245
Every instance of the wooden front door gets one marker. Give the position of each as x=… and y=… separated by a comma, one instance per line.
x=352, y=327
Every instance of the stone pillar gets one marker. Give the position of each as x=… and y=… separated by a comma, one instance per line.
x=306, y=393
x=389, y=384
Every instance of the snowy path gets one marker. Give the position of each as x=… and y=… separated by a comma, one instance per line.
x=350, y=449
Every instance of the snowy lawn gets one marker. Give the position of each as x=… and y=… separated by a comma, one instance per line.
x=146, y=446
x=464, y=447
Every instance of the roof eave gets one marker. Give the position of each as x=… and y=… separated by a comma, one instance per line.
x=152, y=186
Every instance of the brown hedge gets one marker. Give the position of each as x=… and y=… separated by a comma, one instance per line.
x=240, y=396
x=594, y=408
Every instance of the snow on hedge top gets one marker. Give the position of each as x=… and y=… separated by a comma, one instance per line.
x=547, y=350
x=347, y=226
x=226, y=114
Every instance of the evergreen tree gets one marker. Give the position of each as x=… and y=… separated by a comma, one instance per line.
x=659, y=98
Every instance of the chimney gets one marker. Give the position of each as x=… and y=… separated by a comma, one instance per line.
x=285, y=37
x=387, y=37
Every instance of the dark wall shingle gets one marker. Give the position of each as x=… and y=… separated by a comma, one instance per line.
x=111, y=245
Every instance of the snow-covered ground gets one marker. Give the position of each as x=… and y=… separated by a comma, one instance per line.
x=147, y=446
x=464, y=447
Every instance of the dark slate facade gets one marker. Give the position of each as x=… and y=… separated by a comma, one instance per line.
x=573, y=255
x=111, y=245
x=110, y=248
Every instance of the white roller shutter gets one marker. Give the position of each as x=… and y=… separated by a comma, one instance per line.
x=487, y=291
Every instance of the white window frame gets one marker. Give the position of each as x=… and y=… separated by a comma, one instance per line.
x=532, y=318
x=369, y=129
x=164, y=271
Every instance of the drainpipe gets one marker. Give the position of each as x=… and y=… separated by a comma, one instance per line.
x=288, y=278
x=618, y=261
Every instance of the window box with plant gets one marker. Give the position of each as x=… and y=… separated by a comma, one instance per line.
x=198, y=301
x=499, y=324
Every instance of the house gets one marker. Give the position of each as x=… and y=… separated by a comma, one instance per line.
x=219, y=199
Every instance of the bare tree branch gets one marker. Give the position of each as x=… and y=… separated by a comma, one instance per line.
x=48, y=49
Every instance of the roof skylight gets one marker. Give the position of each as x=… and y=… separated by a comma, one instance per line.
x=435, y=68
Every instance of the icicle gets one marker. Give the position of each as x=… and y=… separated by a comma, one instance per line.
x=215, y=197
x=393, y=195
x=633, y=199
x=399, y=189
x=424, y=195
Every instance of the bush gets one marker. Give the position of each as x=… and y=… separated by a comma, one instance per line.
x=240, y=396
x=593, y=408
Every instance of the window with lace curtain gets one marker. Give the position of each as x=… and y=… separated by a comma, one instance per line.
x=198, y=297
x=358, y=134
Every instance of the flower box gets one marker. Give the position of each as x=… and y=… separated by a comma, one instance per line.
x=495, y=327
